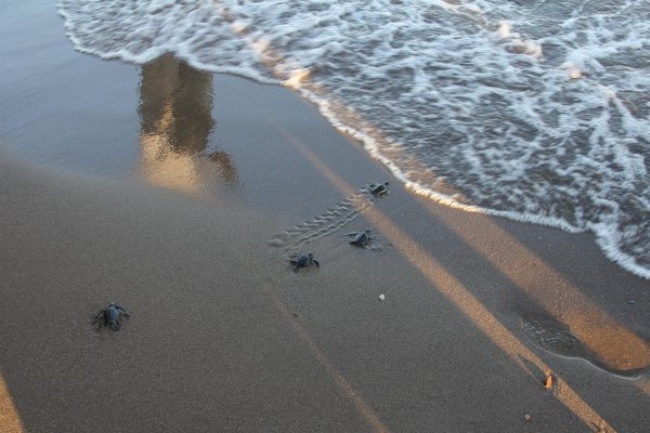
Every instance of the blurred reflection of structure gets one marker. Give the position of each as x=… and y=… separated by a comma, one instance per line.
x=176, y=121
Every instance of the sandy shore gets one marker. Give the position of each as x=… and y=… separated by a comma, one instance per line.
x=477, y=312
x=225, y=337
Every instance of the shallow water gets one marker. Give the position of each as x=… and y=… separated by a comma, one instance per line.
x=555, y=337
x=536, y=110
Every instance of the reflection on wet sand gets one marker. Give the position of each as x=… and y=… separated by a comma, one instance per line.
x=176, y=121
x=9, y=419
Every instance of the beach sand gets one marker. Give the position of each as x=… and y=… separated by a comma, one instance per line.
x=478, y=312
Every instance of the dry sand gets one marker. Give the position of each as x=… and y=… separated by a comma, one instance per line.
x=224, y=337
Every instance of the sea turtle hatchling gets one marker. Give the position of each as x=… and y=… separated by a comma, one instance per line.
x=303, y=260
x=378, y=190
x=361, y=239
x=110, y=316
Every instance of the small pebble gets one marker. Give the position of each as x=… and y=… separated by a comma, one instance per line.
x=382, y=297
x=631, y=302
x=527, y=417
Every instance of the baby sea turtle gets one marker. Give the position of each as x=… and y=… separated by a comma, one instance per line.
x=378, y=190
x=304, y=260
x=361, y=239
x=110, y=316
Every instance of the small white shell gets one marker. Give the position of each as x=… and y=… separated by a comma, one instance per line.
x=382, y=297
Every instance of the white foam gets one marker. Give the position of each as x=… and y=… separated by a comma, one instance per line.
x=537, y=113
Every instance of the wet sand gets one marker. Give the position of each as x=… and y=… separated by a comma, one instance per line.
x=224, y=336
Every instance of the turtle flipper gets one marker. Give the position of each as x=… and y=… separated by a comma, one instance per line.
x=316, y=263
x=123, y=311
x=99, y=317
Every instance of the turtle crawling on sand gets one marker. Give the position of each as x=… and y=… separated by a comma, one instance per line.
x=110, y=316
x=377, y=190
x=361, y=239
x=303, y=260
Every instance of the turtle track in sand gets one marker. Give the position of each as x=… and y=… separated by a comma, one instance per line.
x=330, y=221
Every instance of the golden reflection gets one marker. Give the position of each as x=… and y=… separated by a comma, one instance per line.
x=614, y=346
x=462, y=298
x=176, y=121
x=9, y=420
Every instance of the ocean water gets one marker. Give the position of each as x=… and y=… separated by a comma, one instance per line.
x=535, y=110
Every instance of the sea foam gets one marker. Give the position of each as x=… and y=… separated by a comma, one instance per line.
x=536, y=111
